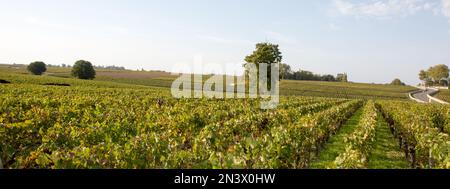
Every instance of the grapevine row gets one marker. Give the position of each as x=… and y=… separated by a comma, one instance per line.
x=424, y=143
x=359, y=143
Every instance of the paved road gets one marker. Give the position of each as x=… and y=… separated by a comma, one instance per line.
x=423, y=95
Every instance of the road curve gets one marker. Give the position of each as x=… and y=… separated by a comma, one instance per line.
x=423, y=95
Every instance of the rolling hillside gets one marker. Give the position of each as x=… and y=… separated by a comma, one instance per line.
x=287, y=87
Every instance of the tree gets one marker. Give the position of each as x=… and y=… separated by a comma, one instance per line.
x=83, y=70
x=428, y=82
x=285, y=71
x=265, y=53
x=328, y=78
x=423, y=75
x=434, y=74
x=397, y=82
x=438, y=72
x=37, y=68
x=342, y=77
x=443, y=82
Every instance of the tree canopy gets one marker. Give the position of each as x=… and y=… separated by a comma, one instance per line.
x=37, y=68
x=397, y=82
x=435, y=74
x=423, y=75
x=265, y=53
x=287, y=73
x=438, y=72
x=83, y=70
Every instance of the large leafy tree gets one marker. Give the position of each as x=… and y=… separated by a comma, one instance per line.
x=438, y=72
x=83, y=70
x=265, y=53
x=37, y=68
x=434, y=74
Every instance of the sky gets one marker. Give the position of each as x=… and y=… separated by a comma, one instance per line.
x=373, y=41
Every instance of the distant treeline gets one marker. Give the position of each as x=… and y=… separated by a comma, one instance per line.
x=110, y=67
x=287, y=73
x=113, y=67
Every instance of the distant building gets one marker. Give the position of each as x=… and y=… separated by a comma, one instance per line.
x=444, y=82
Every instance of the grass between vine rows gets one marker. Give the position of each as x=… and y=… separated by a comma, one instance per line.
x=386, y=153
x=336, y=144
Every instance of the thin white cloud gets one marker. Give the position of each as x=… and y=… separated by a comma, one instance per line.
x=446, y=8
x=383, y=9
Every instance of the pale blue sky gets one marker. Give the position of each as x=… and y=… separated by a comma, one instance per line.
x=372, y=40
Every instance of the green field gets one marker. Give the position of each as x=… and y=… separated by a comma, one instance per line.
x=120, y=121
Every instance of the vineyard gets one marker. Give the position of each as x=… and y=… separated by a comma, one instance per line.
x=103, y=124
x=444, y=95
x=164, y=80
